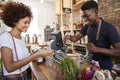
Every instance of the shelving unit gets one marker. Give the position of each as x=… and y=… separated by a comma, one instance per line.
x=71, y=23
x=78, y=4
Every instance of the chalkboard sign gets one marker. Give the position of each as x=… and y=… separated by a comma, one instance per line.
x=67, y=10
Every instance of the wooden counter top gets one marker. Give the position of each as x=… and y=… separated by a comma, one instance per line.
x=42, y=71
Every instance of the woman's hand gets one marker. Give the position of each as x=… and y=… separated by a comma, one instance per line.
x=43, y=53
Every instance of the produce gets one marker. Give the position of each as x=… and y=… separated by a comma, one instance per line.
x=69, y=69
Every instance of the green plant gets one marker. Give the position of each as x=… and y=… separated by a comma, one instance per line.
x=69, y=69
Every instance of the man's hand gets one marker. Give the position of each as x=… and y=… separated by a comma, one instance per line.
x=66, y=38
x=91, y=47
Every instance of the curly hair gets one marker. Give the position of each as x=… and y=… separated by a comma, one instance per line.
x=12, y=12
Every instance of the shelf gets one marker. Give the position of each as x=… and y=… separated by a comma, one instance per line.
x=66, y=30
x=67, y=21
x=82, y=45
x=78, y=4
x=59, y=14
x=76, y=29
x=57, y=30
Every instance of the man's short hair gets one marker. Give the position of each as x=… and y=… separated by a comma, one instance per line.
x=89, y=5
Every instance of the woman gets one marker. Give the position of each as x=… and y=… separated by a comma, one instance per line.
x=13, y=49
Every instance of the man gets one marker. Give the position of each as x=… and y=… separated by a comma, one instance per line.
x=101, y=36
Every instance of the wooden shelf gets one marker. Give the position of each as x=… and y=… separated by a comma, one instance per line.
x=66, y=30
x=67, y=21
x=57, y=30
x=78, y=4
x=59, y=14
x=82, y=45
x=76, y=29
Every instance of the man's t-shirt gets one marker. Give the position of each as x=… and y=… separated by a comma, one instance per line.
x=107, y=37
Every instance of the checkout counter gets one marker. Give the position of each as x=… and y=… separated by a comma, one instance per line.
x=48, y=70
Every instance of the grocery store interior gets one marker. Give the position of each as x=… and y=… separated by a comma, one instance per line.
x=65, y=27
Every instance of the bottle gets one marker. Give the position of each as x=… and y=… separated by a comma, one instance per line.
x=34, y=39
x=27, y=38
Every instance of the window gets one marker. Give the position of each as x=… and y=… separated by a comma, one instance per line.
x=33, y=28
